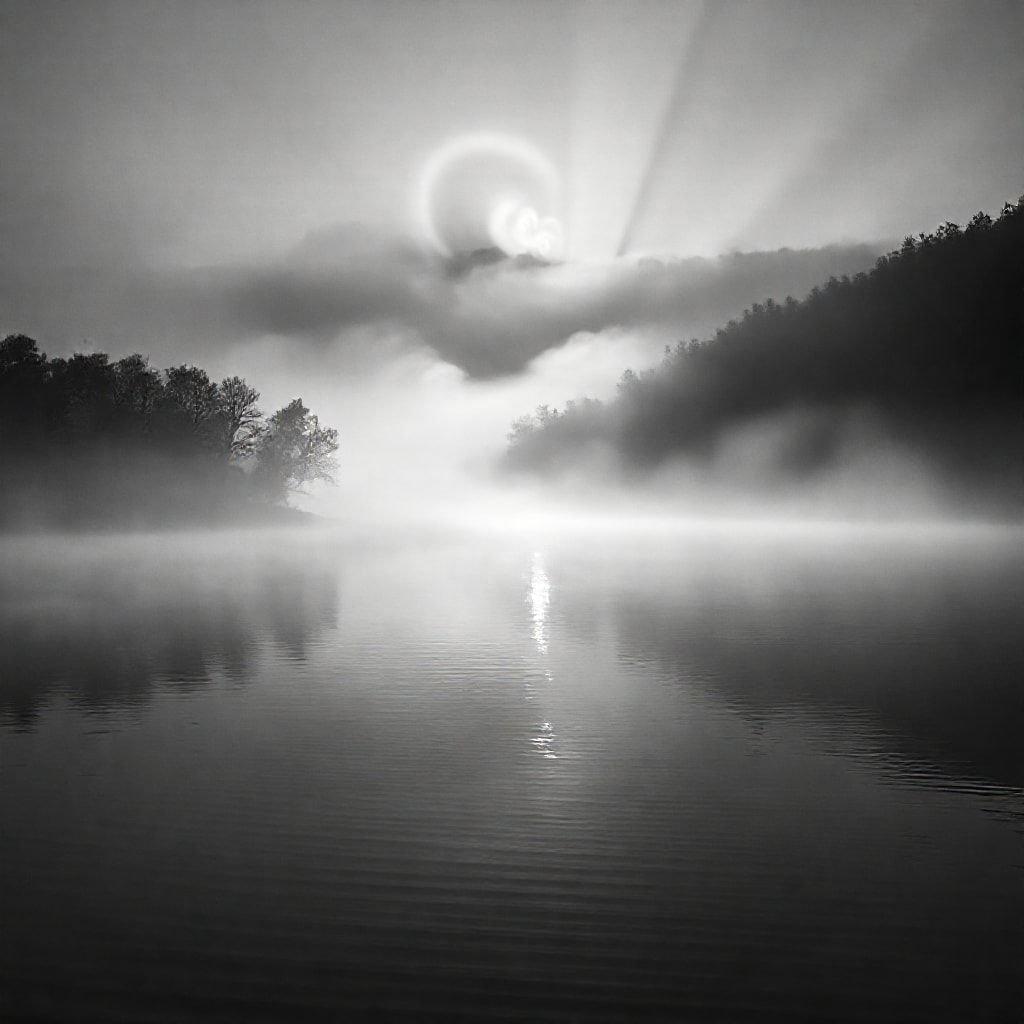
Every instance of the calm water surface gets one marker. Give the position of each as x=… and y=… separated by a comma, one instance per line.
x=725, y=776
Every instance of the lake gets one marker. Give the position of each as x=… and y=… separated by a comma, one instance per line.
x=705, y=774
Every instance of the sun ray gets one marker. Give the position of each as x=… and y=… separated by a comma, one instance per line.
x=687, y=70
x=613, y=129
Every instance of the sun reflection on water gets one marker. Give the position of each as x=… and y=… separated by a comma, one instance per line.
x=539, y=600
x=544, y=740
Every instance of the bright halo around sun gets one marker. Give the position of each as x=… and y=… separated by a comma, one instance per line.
x=490, y=190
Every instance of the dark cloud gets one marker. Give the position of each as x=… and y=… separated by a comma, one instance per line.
x=489, y=317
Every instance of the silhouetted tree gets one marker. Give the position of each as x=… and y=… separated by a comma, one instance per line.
x=190, y=389
x=85, y=384
x=23, y=376
x=138, y=390
x=84, y=440
x=243, y=419
x=292, y=451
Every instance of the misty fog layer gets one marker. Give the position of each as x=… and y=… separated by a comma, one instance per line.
x=884, y=394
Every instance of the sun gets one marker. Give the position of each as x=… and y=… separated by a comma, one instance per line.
x=489, y=190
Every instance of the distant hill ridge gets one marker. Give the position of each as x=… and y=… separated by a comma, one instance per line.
x=931, y=340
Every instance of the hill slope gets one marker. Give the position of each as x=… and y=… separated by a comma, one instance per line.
x=929, y=343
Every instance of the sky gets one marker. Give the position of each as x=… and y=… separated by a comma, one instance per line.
x=292, y=191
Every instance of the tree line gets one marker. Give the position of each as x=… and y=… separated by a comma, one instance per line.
x=88, y=440
x=932, y=340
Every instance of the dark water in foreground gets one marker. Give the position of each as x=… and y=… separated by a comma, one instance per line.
x=725, y=777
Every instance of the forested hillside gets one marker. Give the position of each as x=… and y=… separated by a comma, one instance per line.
x=930, y=341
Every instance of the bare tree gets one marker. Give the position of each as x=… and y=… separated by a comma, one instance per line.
x=243, y=421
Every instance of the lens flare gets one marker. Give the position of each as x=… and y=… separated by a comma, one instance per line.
x=518, y=229
x=489, y=189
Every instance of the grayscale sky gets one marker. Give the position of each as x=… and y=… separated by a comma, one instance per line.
x=194, y=133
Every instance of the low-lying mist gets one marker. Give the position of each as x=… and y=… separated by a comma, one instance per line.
x=800, y=463
x=893, y=394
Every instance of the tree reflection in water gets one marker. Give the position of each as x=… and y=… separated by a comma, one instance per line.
x=105, y=625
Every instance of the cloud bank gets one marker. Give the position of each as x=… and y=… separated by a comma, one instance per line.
x=488, y=316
